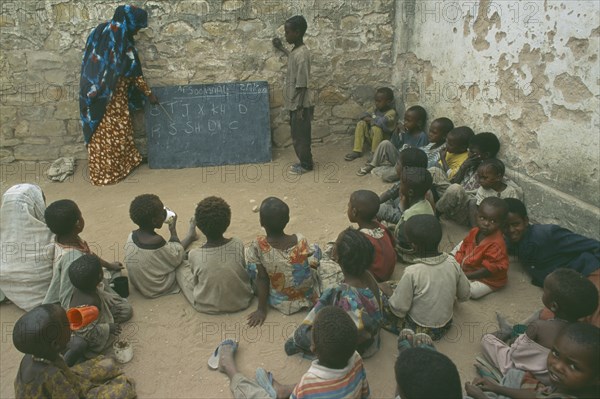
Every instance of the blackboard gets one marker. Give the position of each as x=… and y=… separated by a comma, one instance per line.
x=209, y=124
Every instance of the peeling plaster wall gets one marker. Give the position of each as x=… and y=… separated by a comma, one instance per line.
x=527, y=71
x=187, y=41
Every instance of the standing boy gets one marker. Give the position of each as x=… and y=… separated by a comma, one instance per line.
x=298, y=98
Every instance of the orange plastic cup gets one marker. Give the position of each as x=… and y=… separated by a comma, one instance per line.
x=81, y=316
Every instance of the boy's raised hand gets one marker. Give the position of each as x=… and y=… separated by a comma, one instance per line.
x=277, y=43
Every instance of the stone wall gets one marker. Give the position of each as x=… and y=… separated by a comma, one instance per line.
x=527, y=71
x=187, y=41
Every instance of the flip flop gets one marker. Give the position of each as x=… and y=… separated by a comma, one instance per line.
x=352, y=156
x=365, y=170
x=426, y=341
x=485, y=369
x=264, y=378
x=403, y=341
x=213, y=360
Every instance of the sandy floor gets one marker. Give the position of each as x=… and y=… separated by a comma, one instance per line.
x=172, y=341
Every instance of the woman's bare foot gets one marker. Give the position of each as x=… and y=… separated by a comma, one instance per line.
x=227, y=361
x=283, y=391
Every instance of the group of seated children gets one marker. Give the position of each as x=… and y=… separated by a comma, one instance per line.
x=455, y=175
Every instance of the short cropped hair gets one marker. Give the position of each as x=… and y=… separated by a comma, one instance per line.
x=417, y=179
x=445, y=123
x=486, y=142
x=366, y=202
x=575, y=295
x=516, y=206
x=497, y=203
x=35, y=331
x=61, y=216
x=274, y=214
x=213, y=216
x=298, y=23
x=424, y=231
x=421, y=113
x=354, y=251
x=426, y=373
x=84, y=272
x=587, y=335
x=414, y=157
x=144, y=208
x=493, y=164
x=335, y=337
x=463, y=135
x=387, y=92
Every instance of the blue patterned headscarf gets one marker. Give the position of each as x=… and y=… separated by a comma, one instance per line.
x=110, y=53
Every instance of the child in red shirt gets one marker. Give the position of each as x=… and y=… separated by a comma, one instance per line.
x=362, y=209
x=482, y=254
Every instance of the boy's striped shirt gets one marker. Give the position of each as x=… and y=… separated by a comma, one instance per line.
x=320, y=382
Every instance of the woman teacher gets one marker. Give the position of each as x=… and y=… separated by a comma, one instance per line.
x=111, y=85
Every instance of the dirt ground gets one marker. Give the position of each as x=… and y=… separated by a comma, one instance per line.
x=172, y=341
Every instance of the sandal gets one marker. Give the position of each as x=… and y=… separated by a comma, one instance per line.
x=352, y=156
x=422, y=340
x=264, y=378
x=213, y=360
x=404, y=342
x=365, y=170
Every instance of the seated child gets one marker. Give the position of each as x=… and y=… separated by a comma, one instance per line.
x=378, y=123
x=492, y=183
x=338, y=371
x=482, y=254
x=416, y=182
x=358, y=295
x=42, y=334
x=423, y=372
x=285, y=265
x=216, y=280
x=570, y=296
x=86, y=276
x=389, y=208
x=456, y=152
x=387, y=153
x=573, y=364
x=454, y=194
x=543, y=248
x=150, y=260
x=362, y=209
x=64, y=219
x=424, y=297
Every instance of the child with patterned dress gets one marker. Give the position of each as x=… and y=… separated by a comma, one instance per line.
x=482, y=254
x=362, y=209
x=376, y=124
x=423, y=300
x=42, y=334
x=285, y=265
x=64, y=219
x=358, y=295
x=151, y=261
x=215, y=279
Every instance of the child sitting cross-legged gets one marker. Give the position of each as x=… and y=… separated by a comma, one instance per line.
x=64, y=219
x=424, y=298
x=358, y=295
x=570, y=296
x=42, y=334
x=338, y=371
x=415, y=184
x=482, y=254
x=573, y=366
x=215, y=280
x=150, y=260
x=492, y=183
x=362, y=209
x=285, y=265
x=85, y=274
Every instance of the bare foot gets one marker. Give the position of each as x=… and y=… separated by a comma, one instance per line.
x=227, y=361
x=283, y=391
x=422, y=339
x=504, y=325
